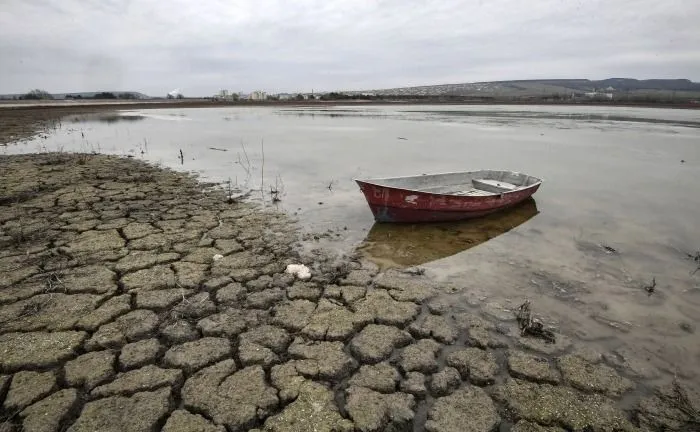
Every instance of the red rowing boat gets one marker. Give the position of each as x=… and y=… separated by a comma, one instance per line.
x=446, y=197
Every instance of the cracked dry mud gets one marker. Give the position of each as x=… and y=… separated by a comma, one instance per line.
x=115, y=316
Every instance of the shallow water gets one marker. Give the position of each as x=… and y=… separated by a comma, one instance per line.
x=617, y=208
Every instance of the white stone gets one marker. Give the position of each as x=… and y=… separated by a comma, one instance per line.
x=299, y=270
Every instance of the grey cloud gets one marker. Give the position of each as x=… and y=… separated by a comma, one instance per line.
x=200, y=47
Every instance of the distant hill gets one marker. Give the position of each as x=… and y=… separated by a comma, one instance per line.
x=539, y=88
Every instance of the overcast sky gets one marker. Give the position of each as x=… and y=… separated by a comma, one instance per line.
x=155, y=46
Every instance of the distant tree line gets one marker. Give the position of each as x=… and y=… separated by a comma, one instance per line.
x=104, y=95
x=345, y=96
x=36, y=94
x=110, y=95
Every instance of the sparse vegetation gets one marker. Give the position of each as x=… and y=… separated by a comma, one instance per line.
x=277, y=191
x=53, y=282
x=82, y=158
x=229, y=192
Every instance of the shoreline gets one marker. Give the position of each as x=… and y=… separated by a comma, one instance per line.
x=26, y=119
x=145, y=295
x=208, y=103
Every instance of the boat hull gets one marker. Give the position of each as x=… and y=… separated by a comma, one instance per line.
x=392, y=204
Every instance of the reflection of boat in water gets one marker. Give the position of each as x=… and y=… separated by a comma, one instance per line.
x=392, y=245
x=446, y=197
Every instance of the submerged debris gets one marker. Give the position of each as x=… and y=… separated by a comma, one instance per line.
x=608, y=249
x=530, y=326
x=651, y=287
x=696, y=259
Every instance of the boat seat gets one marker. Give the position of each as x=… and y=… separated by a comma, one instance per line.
x=494, y=186
x=472, y=192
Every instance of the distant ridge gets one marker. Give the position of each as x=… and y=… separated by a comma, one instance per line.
x=540, y=87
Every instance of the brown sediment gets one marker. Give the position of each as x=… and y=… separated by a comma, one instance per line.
x=131, y=298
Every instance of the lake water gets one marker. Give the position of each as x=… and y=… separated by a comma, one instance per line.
x=618, y=207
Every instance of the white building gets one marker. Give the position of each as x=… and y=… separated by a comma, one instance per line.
x=258, y=95
x=226, y=95
x=599, y=95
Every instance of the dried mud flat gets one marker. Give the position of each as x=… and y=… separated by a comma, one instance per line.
x=115, y=315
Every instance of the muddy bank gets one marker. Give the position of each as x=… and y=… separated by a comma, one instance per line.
x=24, y=120
x=24, y=123
x=131, y=299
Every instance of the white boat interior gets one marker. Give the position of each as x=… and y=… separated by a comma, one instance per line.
x=475, y=183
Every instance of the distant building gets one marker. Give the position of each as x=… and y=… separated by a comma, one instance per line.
x=598, y=95
x=285, y=96
x=225, y=95
x=258, y=95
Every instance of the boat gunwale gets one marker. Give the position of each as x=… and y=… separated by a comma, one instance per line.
x=372, y=181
